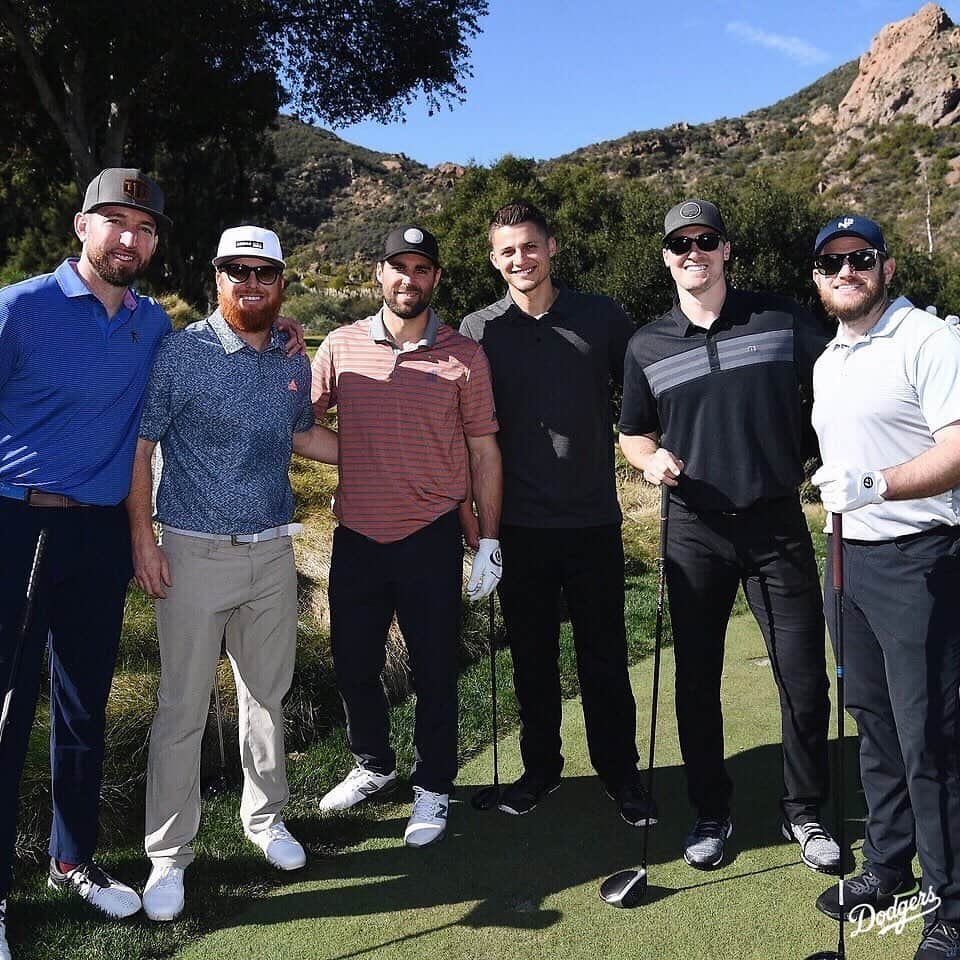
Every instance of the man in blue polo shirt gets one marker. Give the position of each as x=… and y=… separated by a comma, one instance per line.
x=76, y=348
x=228, y=407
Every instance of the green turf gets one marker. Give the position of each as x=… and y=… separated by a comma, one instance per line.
x=501, y=887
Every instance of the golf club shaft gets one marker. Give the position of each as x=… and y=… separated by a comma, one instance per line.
x=836, y=549
x=22, y=632
x=219, y=711
x=493, y=691
x=657, y=643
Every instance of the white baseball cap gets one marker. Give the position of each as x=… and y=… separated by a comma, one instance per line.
x=249, y=242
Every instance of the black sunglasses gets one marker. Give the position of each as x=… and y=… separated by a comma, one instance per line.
x=707, y=242
x=240, y=273
x=830, y=264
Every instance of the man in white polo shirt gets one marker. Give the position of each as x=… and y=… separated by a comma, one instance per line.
x=887, y=412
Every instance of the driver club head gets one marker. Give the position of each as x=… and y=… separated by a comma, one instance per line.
x=826, y=955
x=625, y=888
x=486, y=799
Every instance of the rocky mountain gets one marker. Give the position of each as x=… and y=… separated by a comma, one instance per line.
x=880, y=135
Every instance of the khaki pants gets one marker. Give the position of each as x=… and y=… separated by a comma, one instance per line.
x=246, y=594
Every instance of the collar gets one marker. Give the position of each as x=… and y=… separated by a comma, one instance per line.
x=380, y=334
x=231, y=341
x=561, y=305
x=686, y=327
x=73, y=285
x=886, y=326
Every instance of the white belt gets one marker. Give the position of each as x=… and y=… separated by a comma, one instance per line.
x=287, y=530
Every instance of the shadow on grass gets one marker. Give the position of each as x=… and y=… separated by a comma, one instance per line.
x=505, y=869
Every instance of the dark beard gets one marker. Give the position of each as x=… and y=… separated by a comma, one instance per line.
x=854, y=313
x=407, y=312
x=249, y=321
x=113, y=273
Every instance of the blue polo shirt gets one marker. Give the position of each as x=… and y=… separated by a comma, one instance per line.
x=224, y=415
x=71, y=385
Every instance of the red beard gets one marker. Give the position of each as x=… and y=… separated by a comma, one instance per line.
x=247, y=319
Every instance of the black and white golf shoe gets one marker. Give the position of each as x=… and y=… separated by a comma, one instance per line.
x=97, y=887
x=523, y=795
x=864, y=890
x=940, y=941
x=636, y=806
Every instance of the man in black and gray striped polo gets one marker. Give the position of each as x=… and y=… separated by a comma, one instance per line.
x=711, y=407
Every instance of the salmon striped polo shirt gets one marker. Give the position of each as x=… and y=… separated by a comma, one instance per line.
x=402, y=418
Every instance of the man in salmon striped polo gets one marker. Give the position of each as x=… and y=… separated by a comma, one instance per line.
x=416, y=423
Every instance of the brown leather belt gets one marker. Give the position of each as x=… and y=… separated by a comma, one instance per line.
x=37, y=498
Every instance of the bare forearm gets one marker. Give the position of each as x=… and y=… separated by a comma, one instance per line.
x=932, y=472
x=139, y=502
x=486, y=476
x=638, y=449
x=318, y=443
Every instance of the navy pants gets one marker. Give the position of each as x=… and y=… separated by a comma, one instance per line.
x=586, y=564
x=78, y=606
x=767, y=548
x=901, y=631
x=420, y=579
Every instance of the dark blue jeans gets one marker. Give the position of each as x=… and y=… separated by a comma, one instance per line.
x=420, y=579
x=78, y=609
x=901, y=619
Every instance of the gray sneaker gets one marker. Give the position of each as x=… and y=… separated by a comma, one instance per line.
x=818, y=850
x=703, y=848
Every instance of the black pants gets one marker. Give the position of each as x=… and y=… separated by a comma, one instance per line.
x=78, y=604
x=587, y=565
x=419, y=578
x=901, y=621
x=768, y=549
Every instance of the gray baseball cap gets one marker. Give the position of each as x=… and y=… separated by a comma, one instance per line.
x=693, y=213
x=126, y=187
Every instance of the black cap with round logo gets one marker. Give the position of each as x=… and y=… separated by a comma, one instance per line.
x=693, y=213
x=126, y=187
x=410, y=239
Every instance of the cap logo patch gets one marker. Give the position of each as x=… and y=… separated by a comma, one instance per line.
x=255, y=244
x=135, y=189
x=690, y=210
x=413, y=235
x=845, y=223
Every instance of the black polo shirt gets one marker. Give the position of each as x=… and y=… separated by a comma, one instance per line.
x=726, y=401
x=552, y=386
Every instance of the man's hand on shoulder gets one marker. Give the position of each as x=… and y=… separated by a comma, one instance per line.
x=296, y=344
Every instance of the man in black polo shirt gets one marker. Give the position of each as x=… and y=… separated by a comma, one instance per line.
x=553, y=354
x=711, y=407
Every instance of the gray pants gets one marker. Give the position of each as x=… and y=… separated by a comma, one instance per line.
x=246, y=594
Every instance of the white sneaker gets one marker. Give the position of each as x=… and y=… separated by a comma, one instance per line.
x=280, y=847
x=429, y=818
x=163, y=894
x=4, y=949
x=359, y=784
x=97, y=887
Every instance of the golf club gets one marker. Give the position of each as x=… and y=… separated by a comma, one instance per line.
x=219, y=783
x=22, y=633
x=489, y=797
x=836, y=557
x=627, y=887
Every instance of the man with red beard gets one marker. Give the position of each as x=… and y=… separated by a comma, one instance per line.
x=228, y=407
x=76, y=348
x=887, y=412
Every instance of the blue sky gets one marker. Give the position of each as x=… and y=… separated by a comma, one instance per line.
x=554, y=75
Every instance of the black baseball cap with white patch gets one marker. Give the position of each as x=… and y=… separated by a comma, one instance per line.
x=411, y=239
x=693, y=213
x=126, y=187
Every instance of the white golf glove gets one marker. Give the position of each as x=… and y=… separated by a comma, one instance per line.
x=486, y=571
x=843, y=489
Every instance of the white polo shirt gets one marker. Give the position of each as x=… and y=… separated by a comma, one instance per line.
x=878, y=402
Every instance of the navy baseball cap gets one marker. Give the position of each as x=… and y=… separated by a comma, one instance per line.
x=693, y=213
x=851, y=225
